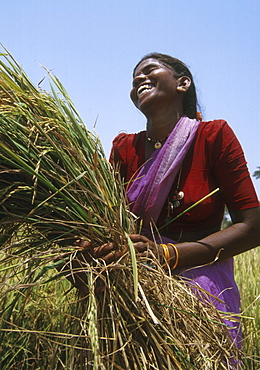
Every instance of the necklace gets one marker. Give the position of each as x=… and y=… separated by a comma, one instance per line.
x=157, y=144
x=178, y=196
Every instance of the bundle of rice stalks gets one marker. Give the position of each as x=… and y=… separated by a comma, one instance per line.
x=53, y=171
x=55, y=185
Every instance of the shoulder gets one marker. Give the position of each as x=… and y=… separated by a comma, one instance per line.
x=126, y=145
x=213, y=127
x=124, y=139
x=216, y=132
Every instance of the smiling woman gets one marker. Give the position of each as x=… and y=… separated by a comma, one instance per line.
x=62, y=209
x=154, y=80
x=177, y=70
x=174, y=163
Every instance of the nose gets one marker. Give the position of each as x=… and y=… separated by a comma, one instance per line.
x=138, y=79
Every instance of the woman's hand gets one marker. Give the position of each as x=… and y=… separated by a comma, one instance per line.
x=106, y=252
x=167, y=254
x=146, y=247
x=75, y=268
x=142, y=244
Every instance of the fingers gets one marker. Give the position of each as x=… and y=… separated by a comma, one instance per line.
x=82, y=243
x=138, y=238
x=141, y=247
x=103, y=250
x=107, y=252
x=112, y=256
x=142, y=244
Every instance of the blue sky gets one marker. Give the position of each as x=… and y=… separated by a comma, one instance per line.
x=93, y=45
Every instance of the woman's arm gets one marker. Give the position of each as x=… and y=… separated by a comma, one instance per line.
x=243, y=235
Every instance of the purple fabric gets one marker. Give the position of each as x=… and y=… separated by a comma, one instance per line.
x=218, y=280
x=147, y=195
x=149, y=191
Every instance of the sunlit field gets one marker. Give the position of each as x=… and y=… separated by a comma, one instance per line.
x=55, y=185
x=248, y=279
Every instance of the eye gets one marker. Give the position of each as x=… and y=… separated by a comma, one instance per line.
x=145, y=71
x=149, y=69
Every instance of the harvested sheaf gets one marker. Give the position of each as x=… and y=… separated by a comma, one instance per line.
x=56, y=185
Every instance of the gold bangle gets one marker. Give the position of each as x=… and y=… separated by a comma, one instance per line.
x=166, y=252
x=176, y=256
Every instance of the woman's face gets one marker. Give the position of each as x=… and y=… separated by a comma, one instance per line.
x=154, y=84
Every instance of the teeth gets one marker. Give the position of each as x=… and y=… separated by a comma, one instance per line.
x=142, y=89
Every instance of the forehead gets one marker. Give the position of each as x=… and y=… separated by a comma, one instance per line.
x=148, y=63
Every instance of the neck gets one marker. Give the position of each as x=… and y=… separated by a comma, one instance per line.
x=160, y=125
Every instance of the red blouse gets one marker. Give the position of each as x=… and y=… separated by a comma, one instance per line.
x=215, y=160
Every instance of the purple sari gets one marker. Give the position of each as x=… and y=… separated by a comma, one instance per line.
x=149, y=191
x=147, y=196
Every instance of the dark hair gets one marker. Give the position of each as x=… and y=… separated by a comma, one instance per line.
x=179, y=69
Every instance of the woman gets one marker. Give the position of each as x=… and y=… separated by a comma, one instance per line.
x=173, y=164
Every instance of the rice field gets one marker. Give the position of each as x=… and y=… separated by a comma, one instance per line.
x=45, y=324
x=248, y=280
x=52, y=304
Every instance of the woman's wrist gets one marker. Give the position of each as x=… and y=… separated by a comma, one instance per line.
x=171, y=255
x=174, y=255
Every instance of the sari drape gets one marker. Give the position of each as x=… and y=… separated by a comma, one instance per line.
x=148, y=192
x=146, y=197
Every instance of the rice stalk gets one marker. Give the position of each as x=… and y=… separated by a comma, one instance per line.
x=56, y=185
x=247, y=277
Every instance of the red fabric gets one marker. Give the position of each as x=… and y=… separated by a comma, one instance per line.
x=215, y=160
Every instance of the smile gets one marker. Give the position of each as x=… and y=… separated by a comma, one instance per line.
x=143, y=89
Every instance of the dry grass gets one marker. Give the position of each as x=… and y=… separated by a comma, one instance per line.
x=55, y=184
x=248, y=280
x=45, y=325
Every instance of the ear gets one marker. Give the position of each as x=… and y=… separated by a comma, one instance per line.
x=184, y=83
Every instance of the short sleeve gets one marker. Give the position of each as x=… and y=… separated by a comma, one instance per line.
x=127, y=154
x=229, y=168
